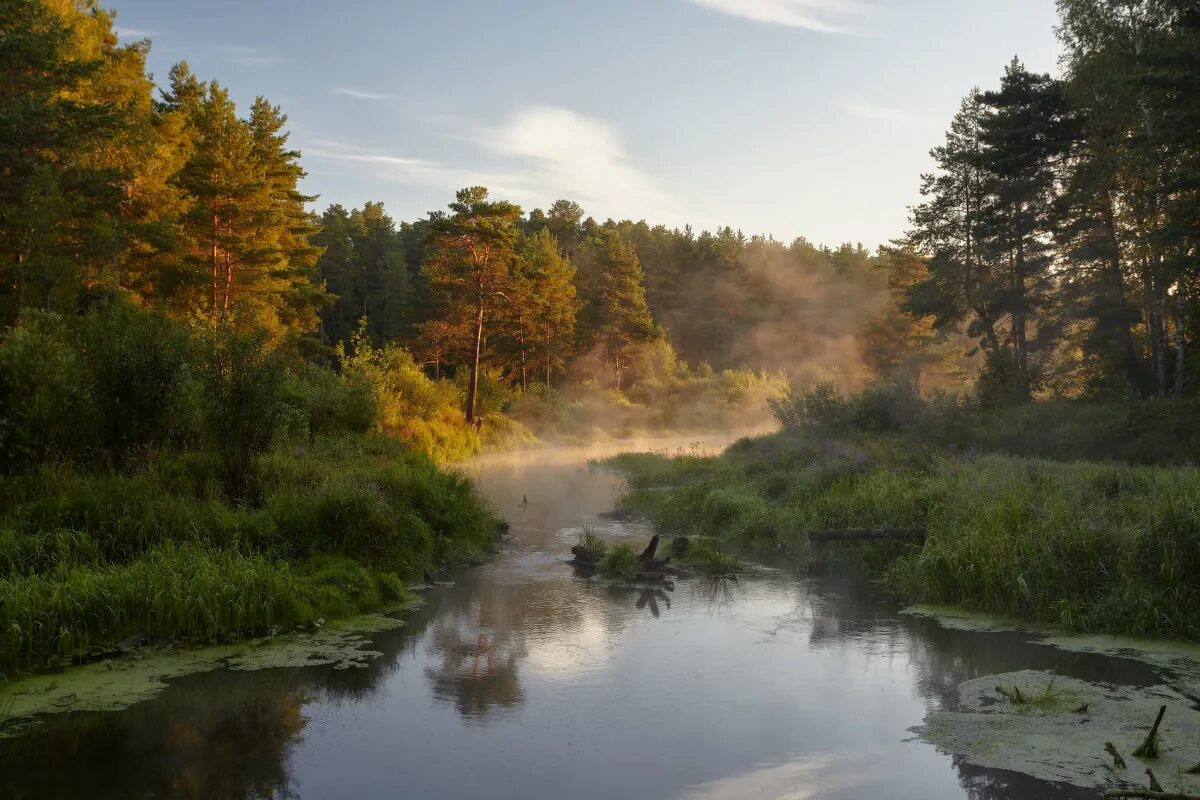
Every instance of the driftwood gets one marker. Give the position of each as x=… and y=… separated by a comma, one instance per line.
x=1149, y=748
x=867, y=534
x=1148, y=794
x=1111, y=749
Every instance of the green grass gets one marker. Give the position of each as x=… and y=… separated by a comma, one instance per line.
x=1087, y=546
x=621, y=563
x=87, y=558
x=1045, y=698
x=593, y=545
x=705, y=557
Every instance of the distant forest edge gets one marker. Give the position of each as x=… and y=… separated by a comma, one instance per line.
x=1055, y=253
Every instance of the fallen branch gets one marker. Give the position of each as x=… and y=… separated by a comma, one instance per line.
x=1111, y=749
x=1149, y=748
x=867, y=534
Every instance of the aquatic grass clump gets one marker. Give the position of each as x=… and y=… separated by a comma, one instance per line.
x=620, y=563
x=704, y=556
x=594, y=547
x=1045, y=698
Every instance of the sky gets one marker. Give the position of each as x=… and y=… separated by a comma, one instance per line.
x=791, y=118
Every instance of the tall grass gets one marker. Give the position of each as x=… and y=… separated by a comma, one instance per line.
x=1093, y=547
x=87, y=559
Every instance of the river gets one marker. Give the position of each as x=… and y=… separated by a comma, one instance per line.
x=523, y=680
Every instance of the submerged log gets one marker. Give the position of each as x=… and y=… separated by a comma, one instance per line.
x=1111, y=749
x=867, y=534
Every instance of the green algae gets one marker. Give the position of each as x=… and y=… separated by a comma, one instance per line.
x=1060, y=744
x=116, y=684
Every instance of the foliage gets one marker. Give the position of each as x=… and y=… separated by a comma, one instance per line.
x=621, y=562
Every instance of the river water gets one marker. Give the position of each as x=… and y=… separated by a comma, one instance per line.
x=524, y=680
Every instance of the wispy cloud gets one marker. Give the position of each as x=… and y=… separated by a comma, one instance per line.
x=133, y=33
x=362, y=94
x=581, y=157
x=536, y=155
x=826, y=16
x=250, y=56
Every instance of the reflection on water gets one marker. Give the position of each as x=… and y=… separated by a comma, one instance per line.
x=526, y=680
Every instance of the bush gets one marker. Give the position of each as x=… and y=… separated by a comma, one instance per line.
x=137, y=372
x=242, y=402
x=44, y=409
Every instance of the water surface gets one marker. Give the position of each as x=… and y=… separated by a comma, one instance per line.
x=524, y=680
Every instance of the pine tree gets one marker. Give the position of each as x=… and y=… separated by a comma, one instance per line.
x=470, y=266
x=58, y=199
x=625, y=322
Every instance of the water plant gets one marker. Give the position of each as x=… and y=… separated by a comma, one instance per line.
x=1044, y=698
x=621, y=563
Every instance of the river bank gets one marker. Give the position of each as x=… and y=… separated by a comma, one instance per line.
x=158, y=553
x=1085, y=546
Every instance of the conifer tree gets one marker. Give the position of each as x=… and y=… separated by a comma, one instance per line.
x=470, y=266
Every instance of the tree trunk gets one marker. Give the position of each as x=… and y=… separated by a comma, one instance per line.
x=1160, y=333
x=473, y=388
x=1019, y=321
x=216, y=263
x=1116, y=287
x=1180, y=339
x=548, y=356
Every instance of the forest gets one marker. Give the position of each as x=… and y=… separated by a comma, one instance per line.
x=186, y=336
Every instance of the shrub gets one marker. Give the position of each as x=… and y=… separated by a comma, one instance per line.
x=242, y=400
x=136, y=366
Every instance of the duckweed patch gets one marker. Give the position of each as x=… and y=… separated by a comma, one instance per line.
x=119, y=683
x=1061, y=743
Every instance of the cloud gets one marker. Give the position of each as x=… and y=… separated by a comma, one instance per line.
x=250, y=56
x=535, y=156
x=133, y=33
x=580, y=157
x=418, y=171
x=362, y=94
x=826, y=16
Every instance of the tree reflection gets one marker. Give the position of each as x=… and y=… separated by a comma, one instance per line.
x=478, y=671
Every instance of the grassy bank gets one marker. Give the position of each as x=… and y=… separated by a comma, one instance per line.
x=87, y=558
x=1088, y=546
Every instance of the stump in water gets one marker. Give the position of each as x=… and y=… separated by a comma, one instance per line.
x=648, y=553
x=1149, y=748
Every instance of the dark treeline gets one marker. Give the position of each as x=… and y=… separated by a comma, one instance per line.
x=1061, y=229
